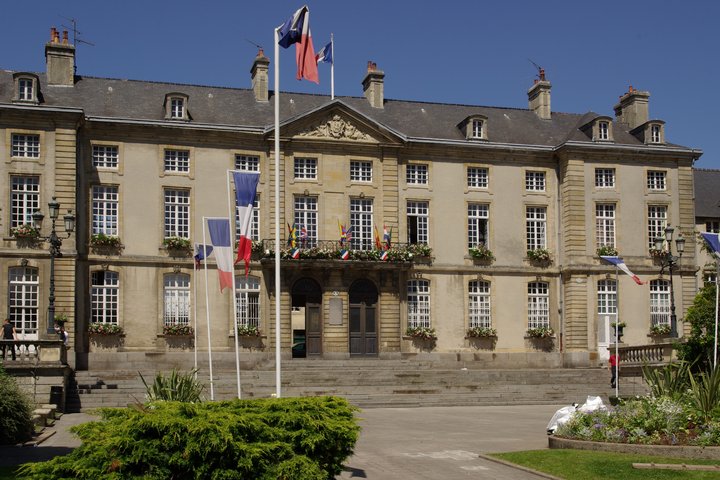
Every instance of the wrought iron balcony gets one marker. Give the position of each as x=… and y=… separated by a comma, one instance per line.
x=336, y=250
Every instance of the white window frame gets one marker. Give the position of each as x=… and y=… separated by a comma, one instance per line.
x=306, y=216
x=604, y=178
x=657, y=220
x=25, y=145
x=536, y=227
x=361, y=222
x=247, y=163
x=176, y=161
x=538, y=305
x=26, y=89
x=361, y=171
x=176, y=299
x=105, y=156
x=177, y=213
x=416, y=174
x=104, y=296
x=254, y=221
x=478, y=224
x=418, y=303
x=478, y=128
x=534, y=181
x=659, y=302
x=655, y=133
x=105, y=200
x=23, y=295
x=479, y=311
x=418, y=221
x=603, y=130
x=657, y=180
x=247, y=301
x=607, y=297
x=177, y=108
x=305, y=168
x=712, y=226
x=605, y=224
x=24, y=199
x=478, y=177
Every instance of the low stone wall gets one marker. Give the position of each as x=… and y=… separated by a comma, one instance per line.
x=675, y=451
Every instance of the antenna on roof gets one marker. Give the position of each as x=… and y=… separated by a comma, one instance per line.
x=75, y=39
x=253, y=43
x=541, y=71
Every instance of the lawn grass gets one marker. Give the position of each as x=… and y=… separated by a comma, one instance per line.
x=590, y=465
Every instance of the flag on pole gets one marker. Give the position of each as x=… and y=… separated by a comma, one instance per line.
x=221, y=242
x=325, y=54
x=245, y=190
x=344, y=254
x=713, y=241
x=618, y=262
x=296, y=30
x=378, y=245
x=345, y=234
x=295, y=253
x=384, y=256
x=303, y=236
x=292, y=235
x=201, y=253
x=387, y=237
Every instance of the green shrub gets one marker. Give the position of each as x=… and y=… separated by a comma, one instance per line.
x=176, y=386
x=15, y=411
x=293, y=438
x=672, y=380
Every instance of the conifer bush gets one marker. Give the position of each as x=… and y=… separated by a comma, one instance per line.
x=15, y=411
x=288, y=438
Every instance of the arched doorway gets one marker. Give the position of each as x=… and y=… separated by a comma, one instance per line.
x=306, y=318
x=363, y=318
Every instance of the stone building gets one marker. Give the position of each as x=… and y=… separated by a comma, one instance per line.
x=139, y=162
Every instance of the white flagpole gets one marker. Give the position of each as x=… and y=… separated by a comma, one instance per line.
x=617, y=328
x=195, y=315
x=717, y=304
x=332, y=68
x=277, y=213
x=207, y=317
x=234, y=300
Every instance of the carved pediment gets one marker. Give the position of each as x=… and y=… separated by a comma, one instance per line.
x=336, y=128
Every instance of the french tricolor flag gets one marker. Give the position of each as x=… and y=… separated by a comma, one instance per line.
x=344, y=254
x=618, y=262
x=245, y=189
x=384, y=256
x=222, y=249
x=713, y=241
x=297, y=30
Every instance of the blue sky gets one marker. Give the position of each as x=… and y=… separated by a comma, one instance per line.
x=475, y=52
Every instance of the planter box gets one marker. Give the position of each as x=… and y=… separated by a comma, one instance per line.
x=543, y=344
x=417, y=345
x=179, y=342
x=106, y=343
x=481, y=343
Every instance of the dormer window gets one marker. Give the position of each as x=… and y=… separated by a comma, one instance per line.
x=475, y=127
x=26, y=87
x=603, y=131
x=656, y=133
x=176, y=107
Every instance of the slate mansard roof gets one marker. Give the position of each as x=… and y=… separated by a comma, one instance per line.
x=707, y=193
x=221, y=107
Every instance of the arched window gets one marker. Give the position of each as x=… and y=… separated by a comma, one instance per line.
x=176, y=299
x=479, y=304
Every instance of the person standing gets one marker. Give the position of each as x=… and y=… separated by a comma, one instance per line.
x=8, y=333
x=613, y=366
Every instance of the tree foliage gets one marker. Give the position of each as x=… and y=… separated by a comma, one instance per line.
x=698, y=349
x=15, y=411
x=294, y=438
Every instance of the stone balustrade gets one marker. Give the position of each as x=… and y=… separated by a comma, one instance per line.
x=34, y=352
x=634, y=357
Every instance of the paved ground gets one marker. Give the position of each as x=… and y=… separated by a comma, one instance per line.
x=418, y=443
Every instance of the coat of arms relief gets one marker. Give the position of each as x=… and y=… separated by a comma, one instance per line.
x=336, y=128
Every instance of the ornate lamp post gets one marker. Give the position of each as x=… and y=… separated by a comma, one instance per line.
x=669, y=261
x=55, y=245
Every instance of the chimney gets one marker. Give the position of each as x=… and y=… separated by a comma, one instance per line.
x=632, y=109
x=539, y=97
x=373, y=86
x=60, y=60
x=259, y=76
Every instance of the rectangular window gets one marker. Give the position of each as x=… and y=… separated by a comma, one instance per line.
x=247, y=299
x=416, y=174
x=306, y=220
x=479, y=304
x=177, y=107
x=104, y=210
x=177, y=161
x=418, y=215
x=477, y=224
x=177, y=213
x=477, y=128
x=23, y=294
x=710, y=278
x=25, y=89
x=360, y=171
x=27, y=146
x=535, y=181
x=536, y=227
x=361, y=222
x=105, y=156
x=104, y=297
x=607, y=297
x=605, y=225
x=657, y=221
x=712, y=226
x=24, y=200
x=604, y=178
x=477, y=177
x=603, y=131
x=418, y=303
x=247, y=163
x=655, y=134
x=176, y=299
x=254, y=221
x=659, y=302
x=538, y=305
x=305, y=168
x=656, y=180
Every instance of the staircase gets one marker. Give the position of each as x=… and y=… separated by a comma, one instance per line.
x=369, y=383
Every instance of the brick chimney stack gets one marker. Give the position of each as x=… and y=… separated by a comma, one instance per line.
x=60, y=60
x=632, y=109
x=259, y=76
x=373, y=86
x=539, y=97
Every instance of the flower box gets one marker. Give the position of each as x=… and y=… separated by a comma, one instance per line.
x=107, y=241
x=179, y=330
x=25, y=232
x=660, y=330
x=248, y=331
x=481, y=332
x=607, y=251
x=421, y=333
x=104, y=329
x=539, y=255
x=177, y=243
x=481, y=253
x=540, y=332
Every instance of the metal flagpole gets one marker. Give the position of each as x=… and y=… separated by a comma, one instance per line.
x=195, y=316
x=234, y=300
x=332, y=67
x=717, y=304
x=207, y=317
x=277, y=213
x=617, y=328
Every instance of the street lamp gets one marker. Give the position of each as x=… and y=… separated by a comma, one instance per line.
x=55, y=244
x=667, y=259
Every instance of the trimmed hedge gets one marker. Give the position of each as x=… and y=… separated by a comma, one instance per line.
x=16, y=409
x=293, y=438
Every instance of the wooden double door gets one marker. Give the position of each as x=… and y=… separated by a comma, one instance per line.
x=363, y=319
